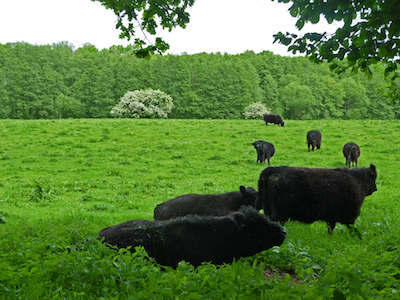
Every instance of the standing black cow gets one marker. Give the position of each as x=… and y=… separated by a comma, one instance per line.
x=275, y=119
x=211, y=204
x=308, y=195
x=265, y=150
x=314, y=139
x=351, y=152
x=198, y=239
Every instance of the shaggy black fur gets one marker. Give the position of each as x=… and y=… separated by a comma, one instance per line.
x=212, y=204
x=274, y=119
x=265, y=150
x=198, y=239
x=314, y=139
x=351, y=152
x=308, y=195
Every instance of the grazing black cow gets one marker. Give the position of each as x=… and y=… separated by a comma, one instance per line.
x=308, y=195
x=314, y=139
x=198, y=239
x=265, y=150
x=351, y=152
x=211, y=204
x=275, y=119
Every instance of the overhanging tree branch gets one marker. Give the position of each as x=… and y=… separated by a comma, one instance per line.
x=149, y=14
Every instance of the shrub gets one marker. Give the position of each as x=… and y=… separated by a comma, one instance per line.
x=255, y=111
x=143, y=104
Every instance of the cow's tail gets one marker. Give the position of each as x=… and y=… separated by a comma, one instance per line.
x=350, y=153
x=262, y=196
x=313, y=140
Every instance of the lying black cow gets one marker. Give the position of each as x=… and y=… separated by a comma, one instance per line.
x=275, y=119
x=308, y=195
x=211, y=204
x=314, y=139
x=198, y=239
x=265, y=150
x=351, y=152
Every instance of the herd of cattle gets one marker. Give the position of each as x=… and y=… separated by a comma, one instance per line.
x=219, y=228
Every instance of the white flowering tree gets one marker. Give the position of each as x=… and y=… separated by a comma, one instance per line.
x=255, y=111
x=143, y=104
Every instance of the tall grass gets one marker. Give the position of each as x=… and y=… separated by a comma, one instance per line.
x=62, y=181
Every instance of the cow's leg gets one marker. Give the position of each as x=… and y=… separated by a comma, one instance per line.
x=273, y=218
x=259, y=155
x=263, y=158
x=268, y=162
x=353, y=230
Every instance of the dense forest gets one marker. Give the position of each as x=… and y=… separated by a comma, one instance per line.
x=59, y=81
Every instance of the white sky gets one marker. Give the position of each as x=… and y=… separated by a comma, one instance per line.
x=226, y=26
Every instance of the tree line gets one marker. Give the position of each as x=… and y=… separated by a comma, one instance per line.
x=57, y=81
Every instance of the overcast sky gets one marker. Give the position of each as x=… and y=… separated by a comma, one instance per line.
x=226, y=26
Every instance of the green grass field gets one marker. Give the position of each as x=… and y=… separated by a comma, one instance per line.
x=62, y=181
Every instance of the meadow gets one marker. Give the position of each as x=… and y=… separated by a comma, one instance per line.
x=62, y=181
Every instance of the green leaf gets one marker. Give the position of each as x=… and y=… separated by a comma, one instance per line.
x=300, y=24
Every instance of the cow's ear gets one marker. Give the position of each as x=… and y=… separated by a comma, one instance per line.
x=242, y=190
x=240, y=219
x=373, y=169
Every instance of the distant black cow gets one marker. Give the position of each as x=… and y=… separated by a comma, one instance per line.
x=308, y=195
x=351, y=152
x=314, y=139
x=211, y=204
x=275, y=119
x=198, y=239
x=265, y=150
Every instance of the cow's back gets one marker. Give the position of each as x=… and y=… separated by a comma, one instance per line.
x=273, y=118
x=351, y=152
x=308, y=195
x=209, y=204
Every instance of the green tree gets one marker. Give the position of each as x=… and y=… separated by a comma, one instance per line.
x=298, y=100
x=270, y=70
x=216, y=86
x=179, y=83
x=93, y=84
x=355, y=99
x=271, y=92
x=4, y=81
x=128, y=73
x=379, y=107
x=330, y=97
x=67, y=106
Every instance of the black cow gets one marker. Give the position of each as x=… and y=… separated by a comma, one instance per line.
x=265, y=150
x=211, y=204
x=314, y=139
x=351, y=152
x=198, y=239
x=308, y=195
x=275, y=119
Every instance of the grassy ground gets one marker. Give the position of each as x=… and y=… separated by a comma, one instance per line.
x=62, y=181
